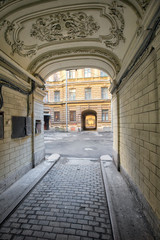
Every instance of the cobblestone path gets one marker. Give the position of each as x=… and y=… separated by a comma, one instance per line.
x=68, y=204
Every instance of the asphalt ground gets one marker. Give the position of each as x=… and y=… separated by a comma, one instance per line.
x=80, y=144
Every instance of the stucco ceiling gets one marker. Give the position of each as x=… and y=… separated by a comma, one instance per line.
x=45, y=36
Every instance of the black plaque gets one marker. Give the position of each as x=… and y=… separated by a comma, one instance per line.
x=28, y=126
x=1, y=125
x=18, y=127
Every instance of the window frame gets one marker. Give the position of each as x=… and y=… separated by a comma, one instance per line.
x=90, y=92
x=58, y=99
x=105, y=112
x=74, y=116
x=103, y=74
x=87, y=73
x=72, y=97
x=102, y=93
x=58, y=119
x=71, y=74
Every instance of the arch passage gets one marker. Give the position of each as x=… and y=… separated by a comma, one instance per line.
x=89, y=120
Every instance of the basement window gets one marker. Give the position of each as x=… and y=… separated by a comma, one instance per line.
x=1, y=125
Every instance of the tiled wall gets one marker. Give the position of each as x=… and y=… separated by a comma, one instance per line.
x=138, y=130
x=16, y=154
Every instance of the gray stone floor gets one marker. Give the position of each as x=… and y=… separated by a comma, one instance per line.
x=68, y=204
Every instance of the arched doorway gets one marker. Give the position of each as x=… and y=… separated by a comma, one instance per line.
x=89, y=120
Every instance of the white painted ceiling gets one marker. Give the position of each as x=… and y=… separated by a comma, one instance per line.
x=46, y=36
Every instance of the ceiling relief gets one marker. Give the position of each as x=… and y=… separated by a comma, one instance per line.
x=13, y=40
x=116, y=12
x=64, y=26
x=4, y=2
x=104, y=25
x=143, y=3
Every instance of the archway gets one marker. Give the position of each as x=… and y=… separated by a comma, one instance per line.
x=119, y=37
x=89, y=120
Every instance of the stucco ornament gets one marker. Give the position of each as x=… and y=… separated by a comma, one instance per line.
x=4, y=2
x=51, y=56
x=64, y=26
x=116, y=31
x=13, y=40
x=143, y=3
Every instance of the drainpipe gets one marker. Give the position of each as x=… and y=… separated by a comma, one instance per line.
x=33, y=132
x=118, y=122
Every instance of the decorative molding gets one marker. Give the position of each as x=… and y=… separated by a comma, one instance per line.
x=15, y=87
x=64, y=26
x=5, y=2
x=143, y=4
x=118, y=27
x=84, y=51
x=139, y=31
x=13, y=40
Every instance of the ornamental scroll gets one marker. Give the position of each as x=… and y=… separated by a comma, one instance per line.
x=64, y=26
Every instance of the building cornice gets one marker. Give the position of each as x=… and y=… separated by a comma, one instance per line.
x=78, y=102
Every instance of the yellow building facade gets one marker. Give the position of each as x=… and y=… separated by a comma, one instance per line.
x=88, y=102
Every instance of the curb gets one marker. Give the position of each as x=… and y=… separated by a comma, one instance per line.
x=115, y=231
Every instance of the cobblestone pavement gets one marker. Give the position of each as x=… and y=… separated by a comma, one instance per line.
x=68, y=204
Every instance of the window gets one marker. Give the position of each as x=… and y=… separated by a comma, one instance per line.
x=56, y=116
x=87, y=93
x=87, y=72
x=104, y=93
x=104, y=115
x=72, y=116
x=45, y=99
x=103, y=74
x=71, y=74
x=56, y=76
x=72, y=94
x=57, y=96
